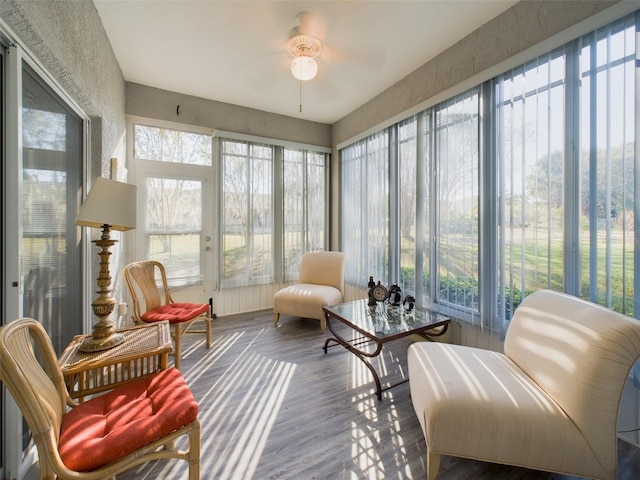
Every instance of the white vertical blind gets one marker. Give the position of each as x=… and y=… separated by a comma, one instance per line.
x=530, y=148
x=315, y=202
x=365, y=209
x=353, y=211
x=304, y=207
x=608, y=101
x=294, y=206
x=457, y=146
x=269, y=222
x=552, y=216
x=407, y=178
x=247, y=202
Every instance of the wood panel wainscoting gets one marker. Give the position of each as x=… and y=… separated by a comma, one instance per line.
x=274, y=406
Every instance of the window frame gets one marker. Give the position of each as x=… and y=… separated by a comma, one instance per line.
x=279, y=271
x=489, y=207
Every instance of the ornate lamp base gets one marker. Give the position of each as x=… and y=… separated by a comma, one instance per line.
x=104, y=335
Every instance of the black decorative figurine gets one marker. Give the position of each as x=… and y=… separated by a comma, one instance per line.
x=371, y=284
x=395, y=295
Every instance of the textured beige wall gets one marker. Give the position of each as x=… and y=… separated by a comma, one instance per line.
x=68, y=39
x=144, y=101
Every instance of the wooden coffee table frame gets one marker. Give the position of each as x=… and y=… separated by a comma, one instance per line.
x=436, y=327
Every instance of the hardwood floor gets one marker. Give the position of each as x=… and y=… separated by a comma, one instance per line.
x=274, y=406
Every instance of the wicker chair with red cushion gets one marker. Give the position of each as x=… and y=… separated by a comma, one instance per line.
x=149, y=305
x=106, y=435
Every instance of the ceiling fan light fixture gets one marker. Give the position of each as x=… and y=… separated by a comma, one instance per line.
x=304, y=49
x=304, y=68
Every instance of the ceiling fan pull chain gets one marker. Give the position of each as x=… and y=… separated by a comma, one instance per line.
x=300, y=96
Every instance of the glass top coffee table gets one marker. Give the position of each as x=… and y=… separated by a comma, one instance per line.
x=377, y=326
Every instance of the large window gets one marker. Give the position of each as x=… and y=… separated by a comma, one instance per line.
x=608, y=198
x=303, y=206
x=170, y=145
x=530, y=158
x=523, y=183
x=247, y=213
x=365, y=224
x=410, y=231
x=456, y=152
x=265, y=199
x=273, y=209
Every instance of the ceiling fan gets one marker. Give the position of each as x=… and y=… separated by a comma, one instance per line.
x=304, y=47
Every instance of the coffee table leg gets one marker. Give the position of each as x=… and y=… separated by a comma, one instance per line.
x=337, y=339
x=376, y=378
x=328, y=341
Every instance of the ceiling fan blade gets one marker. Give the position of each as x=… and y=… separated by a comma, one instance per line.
x=363, y=59
x=309, y=24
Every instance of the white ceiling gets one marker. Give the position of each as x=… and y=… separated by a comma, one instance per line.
x=235, y=51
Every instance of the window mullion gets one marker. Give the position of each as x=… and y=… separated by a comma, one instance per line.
x=249, y=232
x=636, y=175
x=393, y=208
x=593, y=173
x=422, y=197
x=572, y=172
x=278, y=214
x=608, y=180
x=488, y=260
x=434, y=217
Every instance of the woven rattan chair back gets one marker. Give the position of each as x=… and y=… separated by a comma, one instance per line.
x=142, y=279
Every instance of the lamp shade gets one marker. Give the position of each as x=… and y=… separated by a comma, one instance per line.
x=304, y=68
x=109, y=203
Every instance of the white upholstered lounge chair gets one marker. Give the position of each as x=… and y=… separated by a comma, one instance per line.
x=320, y=284
x=550, y=402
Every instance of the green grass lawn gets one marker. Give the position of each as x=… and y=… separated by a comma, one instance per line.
x=534, y=262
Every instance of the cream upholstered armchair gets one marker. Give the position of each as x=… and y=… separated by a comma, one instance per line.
x=550, y=402
x=320, y=284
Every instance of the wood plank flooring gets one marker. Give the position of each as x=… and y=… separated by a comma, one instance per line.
x=274, y=406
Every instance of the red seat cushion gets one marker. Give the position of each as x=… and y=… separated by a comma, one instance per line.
x=175, y=312
x=111, y=426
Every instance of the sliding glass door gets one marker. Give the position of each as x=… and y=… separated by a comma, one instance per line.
x=52, y=179
x=42, y=177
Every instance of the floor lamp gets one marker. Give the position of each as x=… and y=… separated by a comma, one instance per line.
x=110, y=205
